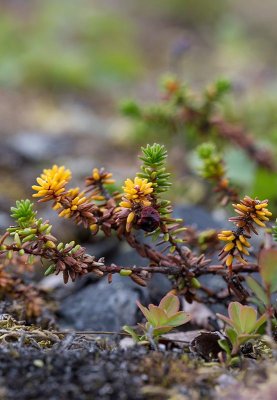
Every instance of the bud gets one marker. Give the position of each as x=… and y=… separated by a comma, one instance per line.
x=50, y=244
x=149, y=219
x=50, y=270
x=136, y=278
x=125, y=272
x=195, y=283
x=17, y=239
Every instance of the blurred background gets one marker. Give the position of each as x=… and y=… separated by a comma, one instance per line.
x=66, y=66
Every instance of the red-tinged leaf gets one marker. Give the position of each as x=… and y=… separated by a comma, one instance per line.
x=170, y=304
x=268, y=268
x=145, y=312
x=158, y=316
x=178, y=319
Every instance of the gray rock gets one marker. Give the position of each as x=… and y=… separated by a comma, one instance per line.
x=36, y=146
x=101, y=306
x=198, y=217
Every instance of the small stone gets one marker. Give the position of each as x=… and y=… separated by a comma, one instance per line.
x=126, y=343
x=38, y=363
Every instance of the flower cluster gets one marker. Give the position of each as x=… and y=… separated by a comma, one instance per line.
x=96, y=183
x=69, y=203
x=236, y=247
x=52, y=183
x=251, y=212
x=137, y=191
x=136, y=198
x=72, y=261
x=75, y=205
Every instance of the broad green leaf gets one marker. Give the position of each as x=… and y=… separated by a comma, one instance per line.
x=178, y=319
x=243, y=338
x=257, y=289
x=247, y=319
x=170, y=304
x=158, y=316
x=223, y=343
x=161, y=330
x=232, y=335
x=260, y=322
x=268, y=268
x=258, y=303
x=234, y=314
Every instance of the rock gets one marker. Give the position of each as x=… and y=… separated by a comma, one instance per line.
x=126, y=343
x=101, y=306
x=198, y=217
x=158, y=285
x=4, y=220
x=200, y=313
x=35, y=147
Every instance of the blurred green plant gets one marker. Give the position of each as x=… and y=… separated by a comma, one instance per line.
x=184, y=119
x=212, y=167
x=181, y=112
x=213, y=170
x=185, y=11
x=65, y=45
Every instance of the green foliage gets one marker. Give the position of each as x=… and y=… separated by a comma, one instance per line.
x=217, y=90
x=212, y=163
x=260, y=296
x=153, y=167
x=130, y=108
x=268, y=268
x=171, y=117
x=161, y=319
x=28, y=228
x=264, y=185
x=23, y=213
x=49, y=52
x=242, y=325
x=192, y=13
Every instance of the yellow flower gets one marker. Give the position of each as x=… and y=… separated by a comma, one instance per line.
x=52, y=183
x=74, y=198
x=136, y=191
x=99, y=176
x=235, y=248
x=251, y=209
